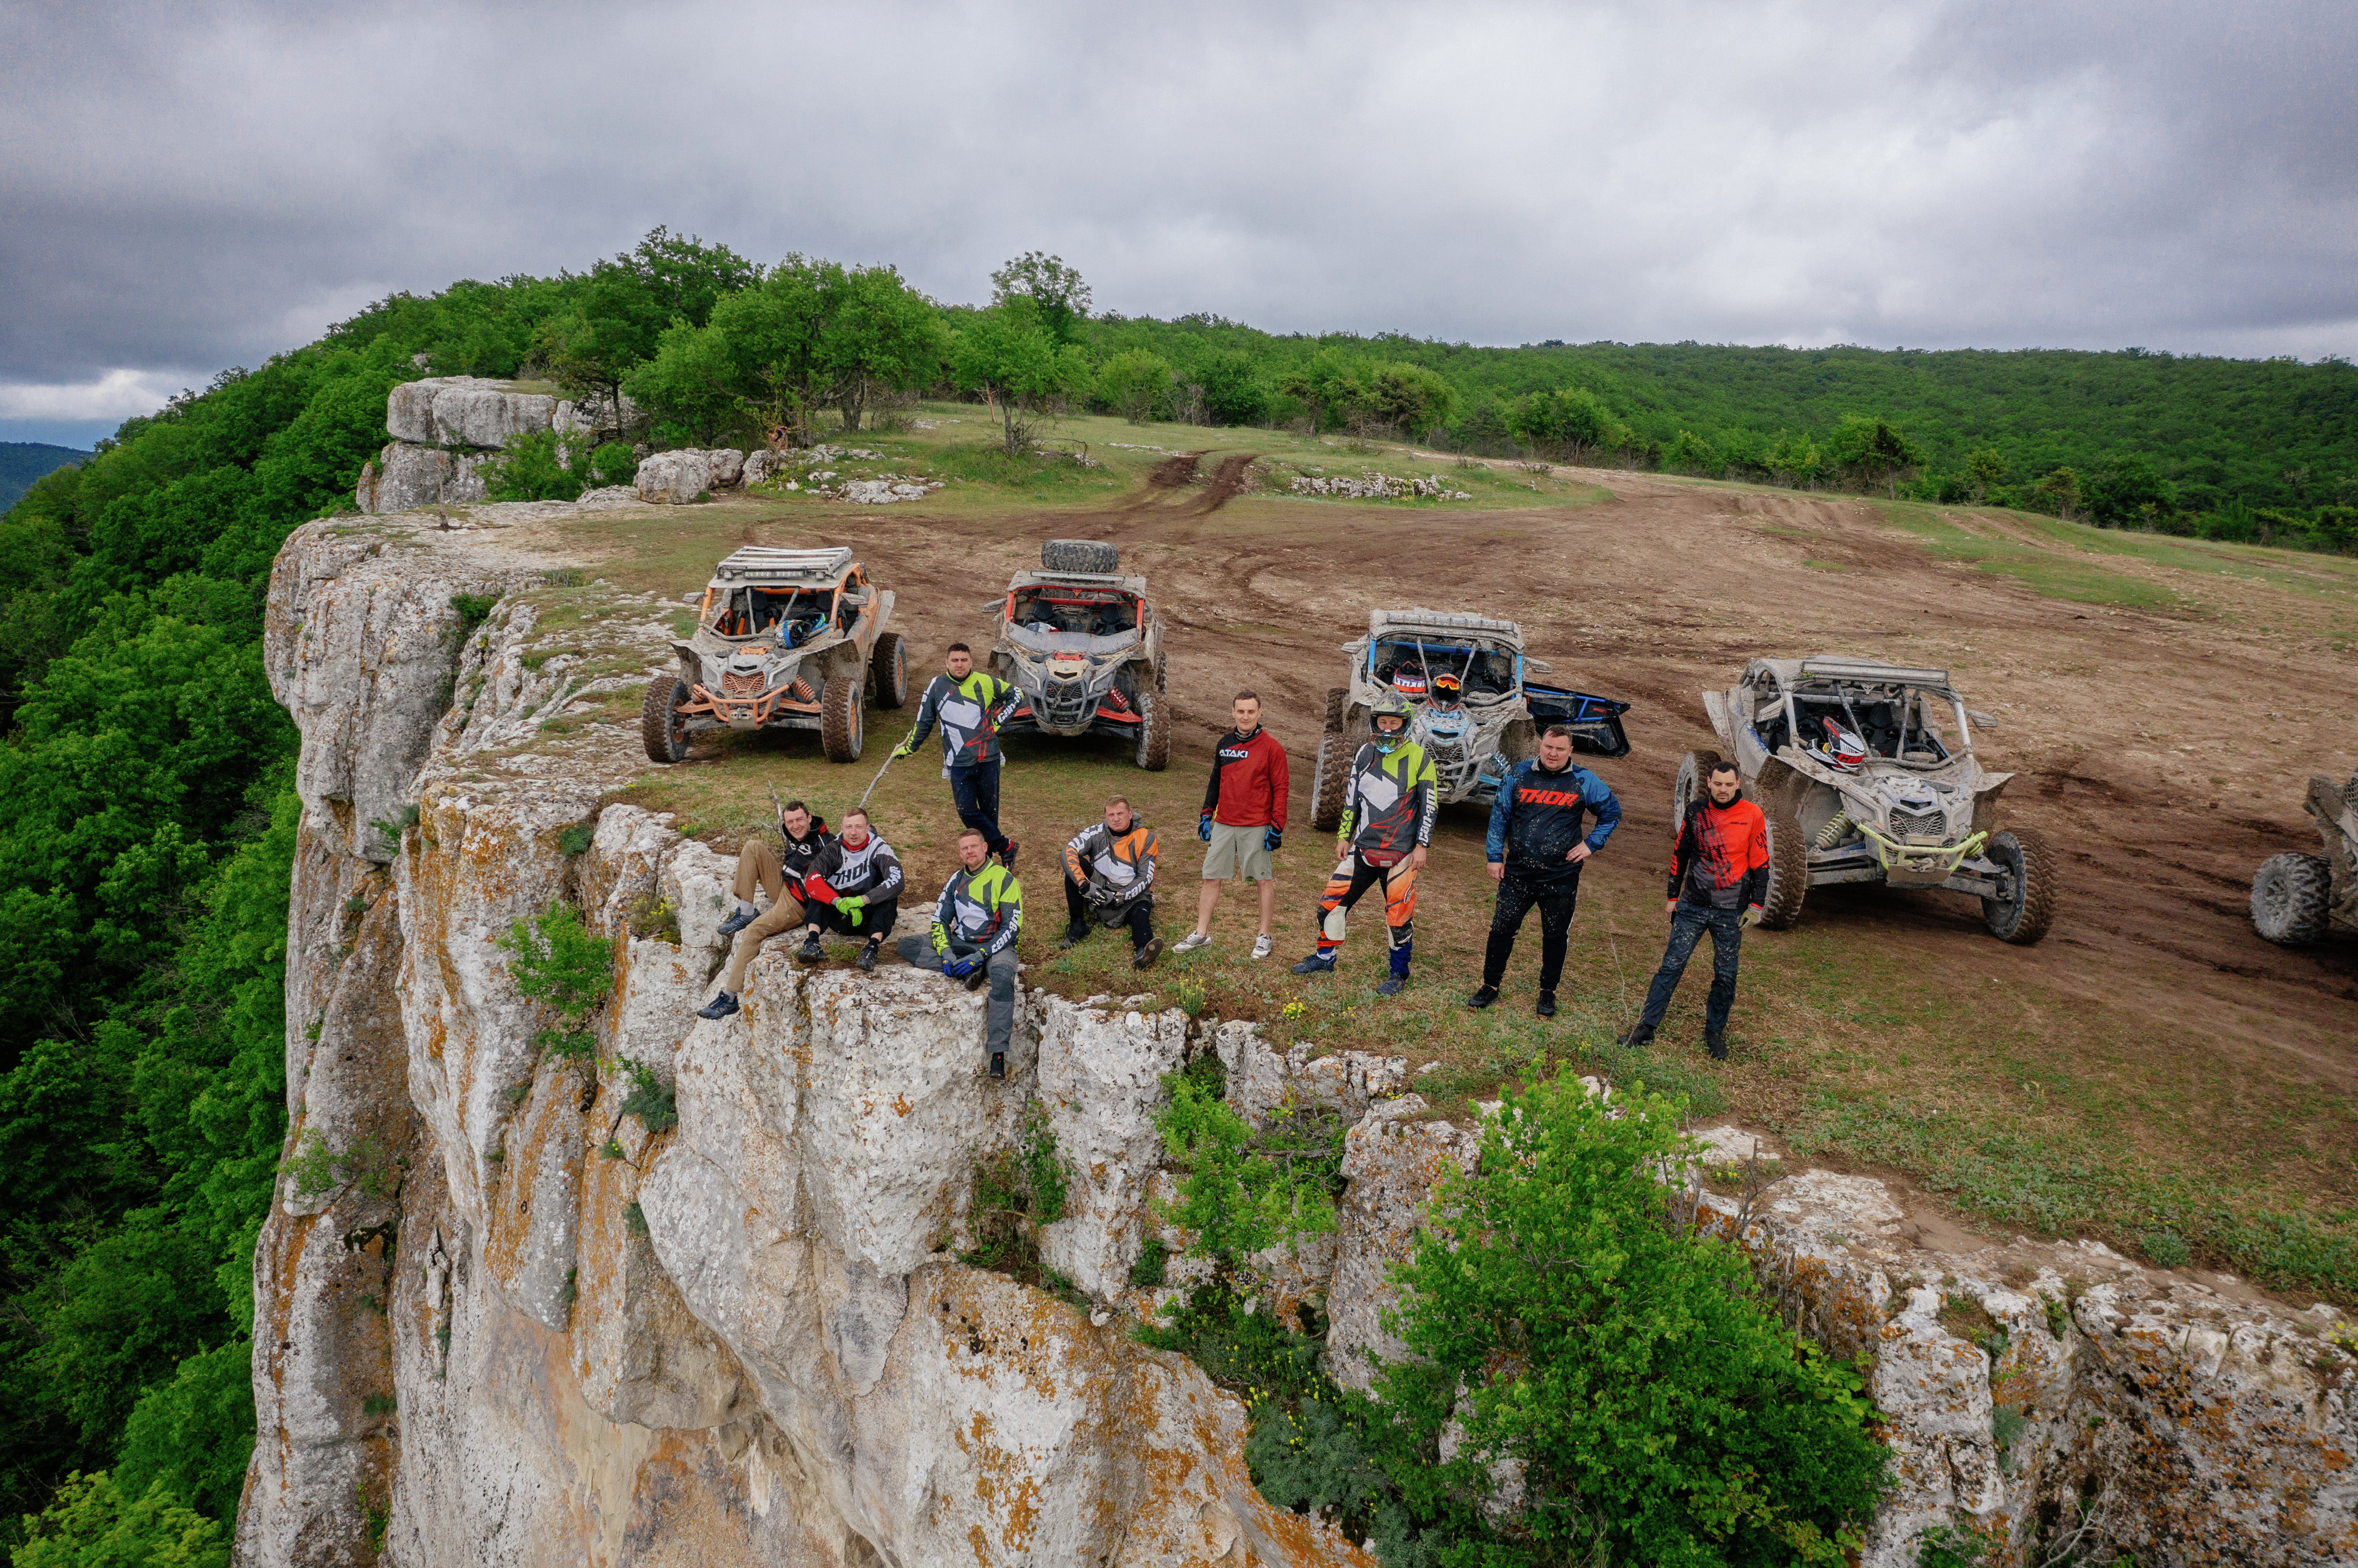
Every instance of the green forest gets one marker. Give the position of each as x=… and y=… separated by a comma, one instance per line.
x=22, y=463
x=143, y=871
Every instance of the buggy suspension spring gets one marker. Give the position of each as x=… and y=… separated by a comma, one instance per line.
x=1834, y=832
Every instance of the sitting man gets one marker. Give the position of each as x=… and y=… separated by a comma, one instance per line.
x=973, y=938
x=1110, y=876
x=779, y=876
x=854, y=889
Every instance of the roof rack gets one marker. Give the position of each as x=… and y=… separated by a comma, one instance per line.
x=1382, y=620
x=1868, y=669
x=764, y=563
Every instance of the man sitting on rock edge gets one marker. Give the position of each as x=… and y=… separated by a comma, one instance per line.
x=780, y=876
x=973, y=938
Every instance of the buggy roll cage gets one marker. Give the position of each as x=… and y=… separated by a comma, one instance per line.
x=1830, y=683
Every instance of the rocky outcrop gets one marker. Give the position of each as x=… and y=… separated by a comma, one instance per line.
x=510, y=1310
x=443, y=427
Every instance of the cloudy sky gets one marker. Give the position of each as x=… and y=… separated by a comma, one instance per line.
x=195, y=185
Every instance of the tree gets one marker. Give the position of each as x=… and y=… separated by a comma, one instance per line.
x=1324, y=385
x=2061, y=488
x=1233, y=392
x=618, y=312
x=2125, y=490
x=1691, y=453
x=1985, y=467
x=1794, y=459
x=1056, y=292
x=1008, y=355
x=1872, y=453
x=1569, y=422
x=1135, y=384
x=880, y=336
x=1611, y=1377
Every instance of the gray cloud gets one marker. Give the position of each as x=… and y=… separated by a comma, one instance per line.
x=189, y=186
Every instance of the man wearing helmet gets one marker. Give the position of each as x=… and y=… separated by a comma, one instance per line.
x=1448, y=691
x=1387, y=811
x=1539, y=839
x=1719, y=874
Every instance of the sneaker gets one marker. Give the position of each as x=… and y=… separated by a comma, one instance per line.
x=1263, y=946
x=1073, y=932
x=999, y=1063
x=1717, y=1045
x=1007, y=856
x=723, y=1005
x=1484, y=997
x=1193, y=940
x=868, y=958
x=738, y=922
x=1316, y=964
x=1547, y=1004
x=1642, y=1036
x=1393, y=985
x=1144, y=957
x=810, y=952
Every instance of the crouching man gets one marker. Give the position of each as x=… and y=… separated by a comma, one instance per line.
x=973, y=938
x=1109, y=877
x=781, y=876
x=853, y=889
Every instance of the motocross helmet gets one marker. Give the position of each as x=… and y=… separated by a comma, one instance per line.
x=1841, y=749
x=1446, y=689
x=1389, y=706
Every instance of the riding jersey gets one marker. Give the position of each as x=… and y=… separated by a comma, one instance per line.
x=1389, y=804
x=981, y=909
x=1538, y=818
x=801, y=852
x=1721, y=855
x=970, y=712
x=872, y=871
x=1249, y=781
x=1113, y=869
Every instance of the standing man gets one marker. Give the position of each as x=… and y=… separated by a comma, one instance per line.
x=1387, y=811
x=781, y=877
x=973, y=939
x=1719, y=874
x=970, y=706
x=1110, y=876
x=1536, y=849
x=853, y=889
x=1243, y=820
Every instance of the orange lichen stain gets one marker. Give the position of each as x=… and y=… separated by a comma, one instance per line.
x=980, y=1544
x=901, y=1103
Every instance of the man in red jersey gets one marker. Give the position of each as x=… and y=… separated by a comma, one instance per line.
x=1243, y=820
x=1719, y=875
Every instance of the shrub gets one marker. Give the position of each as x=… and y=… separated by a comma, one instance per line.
x=536, y=466
x=1243, y=1192
x=91, y=1524
x=1571, y=1330
x=554, y=960
x=474, y=609
x=614, y=464
x=1015, y=1192
x=576, y=839
x=655, y=1106
x=2167, y=1249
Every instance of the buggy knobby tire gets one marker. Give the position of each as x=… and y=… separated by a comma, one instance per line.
x=659, y=725
x=1789, y=873
x=1332, y=777
x=1162, y=671
x=1154, y=731
x=888, y=663
x=1079, y=555
x=842, y=726
x=1694, y=770
x=2292, y=899
x=2024, y=918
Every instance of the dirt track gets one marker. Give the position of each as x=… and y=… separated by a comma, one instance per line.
x=2164, y=755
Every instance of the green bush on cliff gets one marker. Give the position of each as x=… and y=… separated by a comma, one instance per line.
x=554, y=958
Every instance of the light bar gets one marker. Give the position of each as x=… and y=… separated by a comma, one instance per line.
x=1867, y=669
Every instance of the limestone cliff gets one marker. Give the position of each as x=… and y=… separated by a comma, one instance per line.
x=516, y=1327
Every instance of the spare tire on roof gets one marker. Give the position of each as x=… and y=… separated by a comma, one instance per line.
x=1079, y=555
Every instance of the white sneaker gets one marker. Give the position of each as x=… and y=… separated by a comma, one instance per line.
x=1193, y=940
x=1263, y=946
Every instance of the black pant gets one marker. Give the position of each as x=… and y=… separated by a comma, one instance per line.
x=1138, y=914
x=976, y=790
x=1688, y=923
x=1555, y=898
x=875, y=920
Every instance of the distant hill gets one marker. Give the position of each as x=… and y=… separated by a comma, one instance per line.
x=22, y=463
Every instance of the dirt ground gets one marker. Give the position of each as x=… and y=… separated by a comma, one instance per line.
x=2162, y=716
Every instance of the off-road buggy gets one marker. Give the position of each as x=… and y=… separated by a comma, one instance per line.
x=1916, y=811
x=1084, y=646
x=2300, y=898
x=785, y=640
x=1495, y=723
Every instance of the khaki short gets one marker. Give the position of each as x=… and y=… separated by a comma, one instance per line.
x=1237, y=852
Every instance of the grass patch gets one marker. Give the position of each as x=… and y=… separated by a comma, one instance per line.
x=2052, y=573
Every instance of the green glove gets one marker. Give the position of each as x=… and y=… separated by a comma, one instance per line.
x=852, y=907
x=905, y=749
x=941, y=937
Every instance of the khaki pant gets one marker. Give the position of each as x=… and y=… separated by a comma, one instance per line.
x=758, y=865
